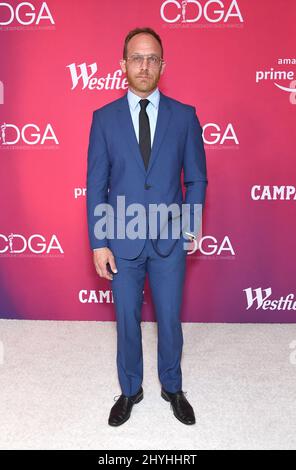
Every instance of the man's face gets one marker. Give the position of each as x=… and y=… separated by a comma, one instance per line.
x=142, y=79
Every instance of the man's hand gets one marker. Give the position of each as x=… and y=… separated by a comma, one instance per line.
x=102, y=256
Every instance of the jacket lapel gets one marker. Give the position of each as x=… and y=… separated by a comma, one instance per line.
x=128, y=131
x=162, y=123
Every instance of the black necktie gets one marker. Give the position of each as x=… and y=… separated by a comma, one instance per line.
x=144, y=132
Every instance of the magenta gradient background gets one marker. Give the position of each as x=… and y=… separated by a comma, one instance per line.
x=212, y=68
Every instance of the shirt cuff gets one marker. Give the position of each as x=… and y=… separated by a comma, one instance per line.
x=190, y=235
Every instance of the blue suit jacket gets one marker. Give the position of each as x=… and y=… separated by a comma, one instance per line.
x=115, y=167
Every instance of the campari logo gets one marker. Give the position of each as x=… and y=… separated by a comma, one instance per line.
x=194, y=13
x=25, y=15
x=282, y=77
x=98, y=296
x=273, y=193
x=27, y=136
x=85, y=76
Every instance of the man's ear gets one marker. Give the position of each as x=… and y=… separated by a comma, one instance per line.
x=162, y=68
x=122, y=65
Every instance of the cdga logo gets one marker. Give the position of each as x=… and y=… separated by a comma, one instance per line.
x=192, y=11
x=30, y=134
x=16, y=243
x=24, y=13
x=214, y=134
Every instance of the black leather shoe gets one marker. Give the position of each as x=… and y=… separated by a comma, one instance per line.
x=181, y=407
x=121, y=411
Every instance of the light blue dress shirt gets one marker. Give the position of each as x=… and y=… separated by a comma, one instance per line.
x=152, y=110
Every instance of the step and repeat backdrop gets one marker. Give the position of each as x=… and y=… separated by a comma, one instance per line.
x=235, y=61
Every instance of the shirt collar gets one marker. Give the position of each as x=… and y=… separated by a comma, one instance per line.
x=133, y=99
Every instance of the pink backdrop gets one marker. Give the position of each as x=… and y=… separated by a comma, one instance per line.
x=225, y=59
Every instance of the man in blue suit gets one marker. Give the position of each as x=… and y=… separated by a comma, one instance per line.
x=139, y=144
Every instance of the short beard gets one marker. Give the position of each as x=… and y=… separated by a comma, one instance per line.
x=142, y=87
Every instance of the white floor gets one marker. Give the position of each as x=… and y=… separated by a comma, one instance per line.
x=58, y=381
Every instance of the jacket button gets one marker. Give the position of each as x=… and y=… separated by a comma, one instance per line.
x=147, y=186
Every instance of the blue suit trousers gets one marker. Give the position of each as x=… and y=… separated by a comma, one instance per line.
x=166, y=279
